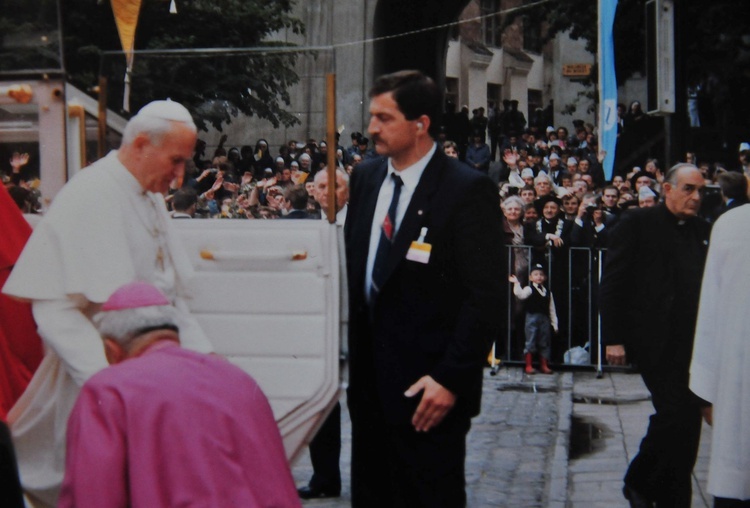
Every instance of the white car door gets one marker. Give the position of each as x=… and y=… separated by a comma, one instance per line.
x=268, y=293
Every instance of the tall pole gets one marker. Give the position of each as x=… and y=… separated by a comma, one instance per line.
x=332, y=162
x=102, y=141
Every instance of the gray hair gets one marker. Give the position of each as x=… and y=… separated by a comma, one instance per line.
x=324, y=171
x=510, y=200
x=155, y=120
x=671, y=176
x=123, y=326
x=542, y=176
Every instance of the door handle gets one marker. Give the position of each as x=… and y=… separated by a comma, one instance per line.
x=229, y=255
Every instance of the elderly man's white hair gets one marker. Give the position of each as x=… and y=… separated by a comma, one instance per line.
x=324, y=171
x=156, y=119
x=124, y=326
x=543, y=177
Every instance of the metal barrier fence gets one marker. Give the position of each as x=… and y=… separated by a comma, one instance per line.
x=573, y=276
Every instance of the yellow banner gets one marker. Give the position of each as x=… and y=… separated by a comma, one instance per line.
x=126, y=17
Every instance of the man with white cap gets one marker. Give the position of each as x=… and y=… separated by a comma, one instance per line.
x=647, y=197
x=165, y=426
x=572, y=164
x=106, y=227
x=554, y=170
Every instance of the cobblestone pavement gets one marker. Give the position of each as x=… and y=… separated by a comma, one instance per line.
x=519, y=450
x=509, y=450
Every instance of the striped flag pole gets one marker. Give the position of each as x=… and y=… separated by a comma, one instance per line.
x=607, y=86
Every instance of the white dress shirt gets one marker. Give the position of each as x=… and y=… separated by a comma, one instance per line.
x=410, y=176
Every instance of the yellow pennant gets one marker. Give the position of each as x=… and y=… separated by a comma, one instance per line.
x=126, y=17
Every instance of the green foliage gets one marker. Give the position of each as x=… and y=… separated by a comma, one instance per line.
x=29, y=35
x=216, y=86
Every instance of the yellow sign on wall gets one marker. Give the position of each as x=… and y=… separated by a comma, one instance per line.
x=576, y=70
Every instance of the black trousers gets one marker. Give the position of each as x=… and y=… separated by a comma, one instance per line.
x=723, y=502
x=662, y=469
x=325, y=451
x=10, y=485
x=395, y=466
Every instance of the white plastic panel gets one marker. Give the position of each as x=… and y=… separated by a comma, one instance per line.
x=267, y=294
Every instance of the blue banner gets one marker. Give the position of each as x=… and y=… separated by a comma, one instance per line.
x=607, y=86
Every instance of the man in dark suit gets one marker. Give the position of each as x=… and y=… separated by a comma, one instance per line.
x=295, y=202
x=648, y=300
x=733, y=187
x=424, y=254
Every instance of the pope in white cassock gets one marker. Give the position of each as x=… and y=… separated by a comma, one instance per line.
x=720, y=369
x=107, y=227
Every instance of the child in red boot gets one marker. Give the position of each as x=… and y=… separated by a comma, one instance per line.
x=540, y=317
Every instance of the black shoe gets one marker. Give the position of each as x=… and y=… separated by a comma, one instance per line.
x=308, y=492
x=636, y=500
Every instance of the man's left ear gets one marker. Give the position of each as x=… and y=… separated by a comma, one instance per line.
x=423, y=123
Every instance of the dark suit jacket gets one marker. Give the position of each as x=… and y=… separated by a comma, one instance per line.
x=734, y=204
x=538, y=238
x=642, y=284
x=588, y=236
x=297, y=214
x=434, y=319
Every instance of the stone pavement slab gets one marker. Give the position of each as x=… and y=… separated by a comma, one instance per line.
x=617, y=408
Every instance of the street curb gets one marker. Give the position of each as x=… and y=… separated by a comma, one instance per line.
x=557, y=492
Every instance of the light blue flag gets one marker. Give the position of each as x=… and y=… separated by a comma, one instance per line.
x=607, y=85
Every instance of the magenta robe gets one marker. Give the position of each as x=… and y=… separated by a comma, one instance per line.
x=174, y=428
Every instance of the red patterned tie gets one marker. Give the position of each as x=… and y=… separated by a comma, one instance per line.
x=387, y=231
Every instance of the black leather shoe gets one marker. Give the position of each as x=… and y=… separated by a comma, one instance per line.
x=308, y=492
x=636, y=500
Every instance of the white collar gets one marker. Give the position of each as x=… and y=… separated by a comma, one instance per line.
x=411, y=175
x=122, y=175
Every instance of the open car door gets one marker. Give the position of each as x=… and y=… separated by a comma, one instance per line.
x=268, y=295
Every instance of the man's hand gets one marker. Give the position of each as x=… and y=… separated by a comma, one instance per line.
x=555, y=240
x=435, y=404
x=582, y=210
x=218, y=183
x=510, y=158
x=616, y=355
x=18, y=161
x=708, y=414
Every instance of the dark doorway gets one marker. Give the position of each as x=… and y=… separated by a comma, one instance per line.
x=425, y=50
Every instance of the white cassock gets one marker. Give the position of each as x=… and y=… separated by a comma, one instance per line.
x=720, y=369
x=102, y=231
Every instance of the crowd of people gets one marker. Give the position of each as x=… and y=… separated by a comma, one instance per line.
x=426, y=253
x=551, y=184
